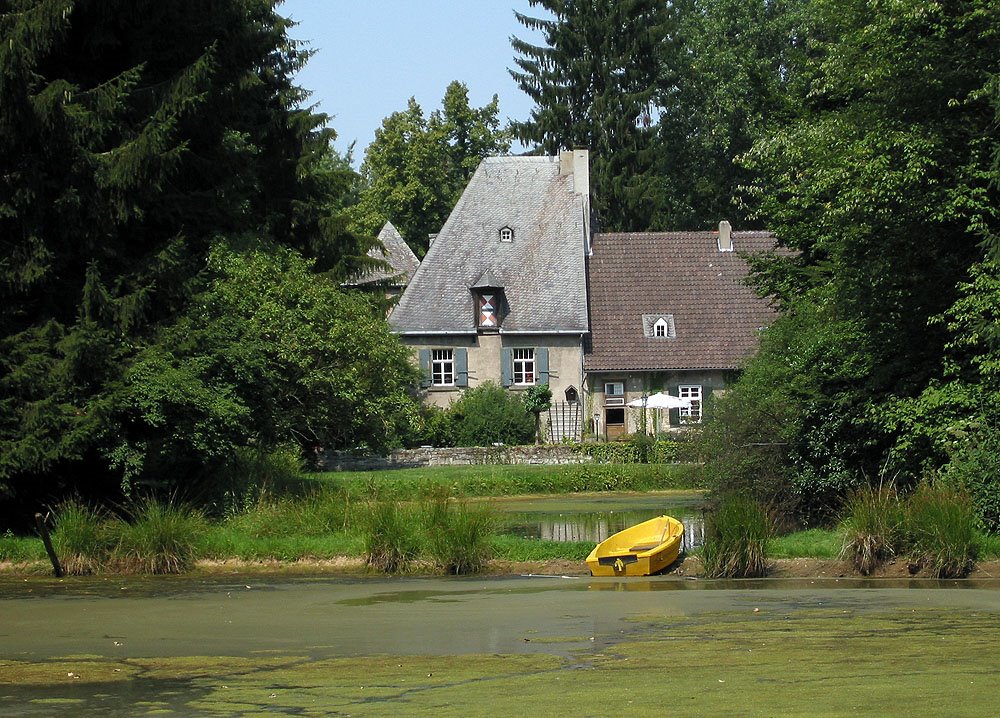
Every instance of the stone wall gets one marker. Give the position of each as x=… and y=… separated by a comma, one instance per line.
x=414, y=458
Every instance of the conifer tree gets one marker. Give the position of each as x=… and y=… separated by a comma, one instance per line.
x=133, y=133
x=593, y=83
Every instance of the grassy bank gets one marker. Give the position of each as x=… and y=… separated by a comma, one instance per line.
x=513, y=479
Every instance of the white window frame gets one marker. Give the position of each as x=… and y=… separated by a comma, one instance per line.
x=617, y=388
x=523, y=366
x=506, y=234
x=442, y=367
x=692, y=414
x=660, y=328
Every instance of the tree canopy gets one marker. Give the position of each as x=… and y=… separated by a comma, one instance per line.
x=417, y=167
x=133, y=136
x=593, y=83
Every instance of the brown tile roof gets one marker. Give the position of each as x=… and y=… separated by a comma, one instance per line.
x=717, y=318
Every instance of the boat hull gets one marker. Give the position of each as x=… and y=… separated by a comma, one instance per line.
x=640, y=550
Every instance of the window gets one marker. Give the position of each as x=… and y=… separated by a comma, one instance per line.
x=614, y=417
x=443, y=367
x=616, y=388
x=692, y=414
x=524, y=366
x=658, y=326
x=506, y=234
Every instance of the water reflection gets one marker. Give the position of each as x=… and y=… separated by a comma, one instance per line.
x=559, y=519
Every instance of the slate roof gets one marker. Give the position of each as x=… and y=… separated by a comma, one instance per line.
x=717, y=318
x=542, y=270
x=393, y=250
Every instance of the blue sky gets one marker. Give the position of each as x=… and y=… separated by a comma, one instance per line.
x=371, y=56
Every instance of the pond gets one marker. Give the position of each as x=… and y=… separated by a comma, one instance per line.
x=594, y=517
x=245, y=645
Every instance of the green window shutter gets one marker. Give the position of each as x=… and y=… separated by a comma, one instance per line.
x=506, y=366
x=425, y=368
x=461, y=367
x=542, y=364
x=674, y=415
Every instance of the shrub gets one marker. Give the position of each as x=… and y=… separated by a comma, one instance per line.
x=161, y=538
x=459, y=535
x=489, y=414
x=942, y=529
x=83, y=538
x=872, y=526
x=661, y=451
x=391, y=538
x=976, y=469
x=737, y=533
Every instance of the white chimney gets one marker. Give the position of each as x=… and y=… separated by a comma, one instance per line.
x=576, y=163
x=725, y=236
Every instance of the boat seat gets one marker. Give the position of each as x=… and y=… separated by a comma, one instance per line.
x=639, y=548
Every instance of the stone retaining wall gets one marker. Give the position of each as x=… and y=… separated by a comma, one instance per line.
x=414, y=458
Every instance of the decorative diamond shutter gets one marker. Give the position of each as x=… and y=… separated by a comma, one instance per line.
x=506, y=366
x=542, y=364
x=461, y=367
x=425, y=368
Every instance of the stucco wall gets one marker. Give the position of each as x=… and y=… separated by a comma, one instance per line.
x=565, y=360
x=713, y=383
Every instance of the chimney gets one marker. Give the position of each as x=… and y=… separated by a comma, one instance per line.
x=576, y=163
x=725, y=236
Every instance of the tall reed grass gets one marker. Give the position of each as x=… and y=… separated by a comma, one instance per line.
x=391, y=536
x=84, y=537
x=160, y=538
x=942, y=528
x=873, y=525
x=737, y=533
x=458, y=534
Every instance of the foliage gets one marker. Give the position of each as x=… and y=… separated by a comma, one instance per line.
x=489, y=414
x=722, y=85
x=84, y=537
x=514, y=479
x=268, y=354
x=160, y=538
x=790, y=432
x=873, y=526
x=941, y=522
x=894, y=140
x=458, y=534
x=391, y=537
x=592, y=82
x=416, y=168
x=132, y=138
x=737, y=533
x=636, y=450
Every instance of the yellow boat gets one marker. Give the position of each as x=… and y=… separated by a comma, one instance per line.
x=641, y=550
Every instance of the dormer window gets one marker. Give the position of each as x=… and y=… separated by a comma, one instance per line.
x=489, y=302
x=488, y=312
x=658, y=326
x=506, y=234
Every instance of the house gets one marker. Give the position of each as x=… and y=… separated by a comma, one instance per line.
x=397, y=264
x=501, y=294
x=514, y=289
x=669, y=311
